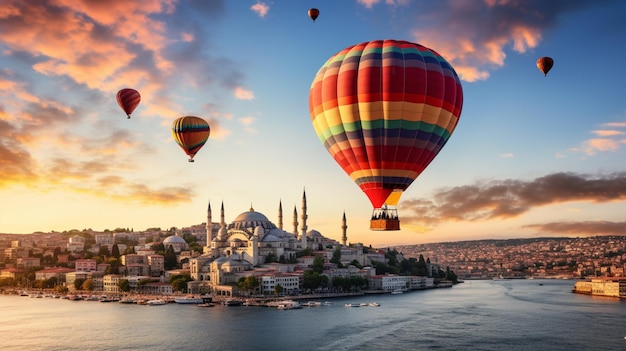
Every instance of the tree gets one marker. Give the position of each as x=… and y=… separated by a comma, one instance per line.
x=78, y=283
x=87, y=285
x=170, y=258
x=115, y=251
x=318, y=264
x=104, y=251
x=337, y=257
x=179, y=282
x=247, y=283
x=123, y=285
x=278, y=290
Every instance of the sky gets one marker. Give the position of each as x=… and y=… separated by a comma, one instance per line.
x=532, y=156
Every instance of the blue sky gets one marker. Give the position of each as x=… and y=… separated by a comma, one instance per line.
x=531, y=156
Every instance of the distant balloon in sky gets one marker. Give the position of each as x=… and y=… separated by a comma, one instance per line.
x=314, y=13
x=190, y=133
x=383, y=110
x=128, y=99
x=545, y=64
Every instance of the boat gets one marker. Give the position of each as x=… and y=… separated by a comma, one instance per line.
x=189, y=300
x=289, y=305
x=157, y=302
x=328, y=303
x=397, y=291
x=374, y=304
x=206, y=304
x=312, y=304
x=126, y=300
x=233, y=303
x=352, y=305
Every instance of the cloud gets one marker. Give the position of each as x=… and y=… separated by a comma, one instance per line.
x=503, y=199
x=609, y=140
x=474, y=36
x=243, y=94
x=260, y=8
x=105, y=46
x=583, y=227
x=247, y=122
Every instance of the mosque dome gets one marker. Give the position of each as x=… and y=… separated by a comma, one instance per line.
x=174, y=239
x=176, y=242
x=270, y=238
x=314, y=234
x=252, y=219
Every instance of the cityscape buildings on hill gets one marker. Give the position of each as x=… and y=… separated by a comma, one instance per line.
x=580, y=257
x=214, y=256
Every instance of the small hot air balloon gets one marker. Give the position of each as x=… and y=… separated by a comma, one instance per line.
x=383, y=110
x=128, y=99
x=545, y=64
x=313, y=13
x=190, y=133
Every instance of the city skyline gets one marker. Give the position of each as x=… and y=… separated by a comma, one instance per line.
x=532, y=156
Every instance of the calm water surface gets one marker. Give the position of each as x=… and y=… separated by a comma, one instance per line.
x=476, y=315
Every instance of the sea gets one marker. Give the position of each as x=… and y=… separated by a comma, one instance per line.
x=475, y=315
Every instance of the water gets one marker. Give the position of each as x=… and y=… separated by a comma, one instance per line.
x=476, y=315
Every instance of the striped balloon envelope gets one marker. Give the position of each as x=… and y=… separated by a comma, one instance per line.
x=128, y=99
x=384, y=109
x=190, y=133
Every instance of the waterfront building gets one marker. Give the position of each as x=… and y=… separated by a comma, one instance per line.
x=110, y=283
x=612, y=287
x=57, y=272
x=71, y=277
x=289, y=283
x=392, y=282
x=15, y=273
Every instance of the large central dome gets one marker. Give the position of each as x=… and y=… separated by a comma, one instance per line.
x=252, y=219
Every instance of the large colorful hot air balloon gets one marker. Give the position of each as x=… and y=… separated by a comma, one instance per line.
x=383, y=110
x=314, y=13
x=545, y=65
x=128, y=99
x=190, y=133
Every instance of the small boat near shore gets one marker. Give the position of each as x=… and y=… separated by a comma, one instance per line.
x=157, y=302
x=189, y=300
x=207, y=304
x=289, y=305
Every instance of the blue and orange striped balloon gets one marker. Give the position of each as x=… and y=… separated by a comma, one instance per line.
x=190, y=133
x=384, y=109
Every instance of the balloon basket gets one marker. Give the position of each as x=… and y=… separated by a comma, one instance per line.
x=385, y=219
x=385, y=224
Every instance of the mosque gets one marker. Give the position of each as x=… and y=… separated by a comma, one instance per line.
x=251, y=245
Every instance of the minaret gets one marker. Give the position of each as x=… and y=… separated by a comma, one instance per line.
x=209, y=227
x=280, y=215
x=222, y=220
x=344, y=227
x=304, y=217
x=295, y=221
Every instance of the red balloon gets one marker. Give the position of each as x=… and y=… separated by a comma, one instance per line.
x=314, y=13
x=128, y=99
x=545, y=64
